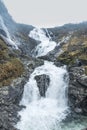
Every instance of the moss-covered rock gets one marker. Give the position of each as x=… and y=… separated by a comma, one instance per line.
x=74, y=50
x=9, y=71
x=10, y=66
x=3, y=51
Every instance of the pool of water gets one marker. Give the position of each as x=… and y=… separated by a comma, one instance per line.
x=79, y=123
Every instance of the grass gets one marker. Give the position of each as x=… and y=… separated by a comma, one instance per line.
x=75, y=48
x=10, y=66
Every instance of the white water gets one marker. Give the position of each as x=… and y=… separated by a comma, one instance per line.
x=46, y=44
x=8, y=39
x=45, y=113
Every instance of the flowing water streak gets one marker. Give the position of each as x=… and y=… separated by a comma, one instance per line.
x=45, y=113
x=8, y=38
x=46, y=44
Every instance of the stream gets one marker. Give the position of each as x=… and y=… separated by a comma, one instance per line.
x=47, y=112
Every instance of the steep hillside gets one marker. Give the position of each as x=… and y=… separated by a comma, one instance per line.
x=74, y=55
x=75, y=50
x=10, y=65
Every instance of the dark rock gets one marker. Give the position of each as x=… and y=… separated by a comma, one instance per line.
x=2, y=32
x=42, y=83
x=83, y=105
x=11, y=95
x=78, y=62
x=78, y=110
x=82, y=80
x=9, y=100
x=77, y=91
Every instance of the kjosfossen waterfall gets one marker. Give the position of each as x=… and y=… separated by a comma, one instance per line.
x=44, y=113
x=43, y=73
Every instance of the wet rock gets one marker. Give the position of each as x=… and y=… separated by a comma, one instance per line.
x=42, y=83
x=78, y=110
x=77, y=91
x=82, y=80
x=78, y=62
x=2, y=32
x=9, y=100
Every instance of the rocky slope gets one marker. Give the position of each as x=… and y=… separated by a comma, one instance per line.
x=15, y=69
x=15, y=66
x=74, y=55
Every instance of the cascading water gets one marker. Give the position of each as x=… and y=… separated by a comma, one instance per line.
x=46, y=44
x=8, y=38
x=48, y=112
x=44, y=113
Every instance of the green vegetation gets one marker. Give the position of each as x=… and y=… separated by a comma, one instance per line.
x=10, y=66
x=75, y=48
x=3, y=51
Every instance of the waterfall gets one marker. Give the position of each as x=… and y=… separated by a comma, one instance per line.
x=46, y=44
x=44, y=113
x=8, y=38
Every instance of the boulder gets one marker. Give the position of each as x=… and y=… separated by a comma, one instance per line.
x=42, y=83
x=77, y=91
x=82, y=80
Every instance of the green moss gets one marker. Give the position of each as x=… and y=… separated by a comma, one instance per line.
x=68, y=58
x=75, y=48
x=10, y=66
x=10, y=70
x=3, y=51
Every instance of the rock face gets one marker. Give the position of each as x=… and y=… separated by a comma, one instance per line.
x=9, y=100
x=78, y=90
x=74, y=55
x=11, y=95
x=42, y=83
x=15, y=69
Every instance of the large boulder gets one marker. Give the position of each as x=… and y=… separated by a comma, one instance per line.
x=42, y=83
x=78, y=90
